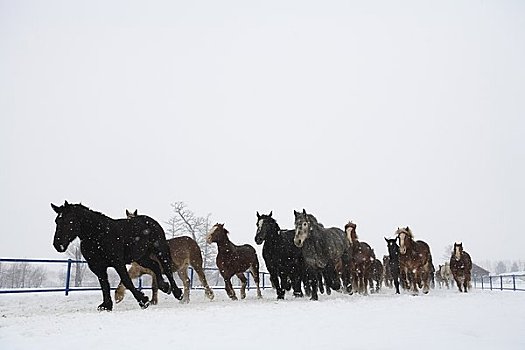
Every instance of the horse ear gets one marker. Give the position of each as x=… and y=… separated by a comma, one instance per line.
x=66, y=203
x=385, y=239
x=258, y=215
x=270, y=214
x=407, y=228
x=304, y=212
x=135, y=213
x=128, y=214
x=295, y=213
x=56, y=209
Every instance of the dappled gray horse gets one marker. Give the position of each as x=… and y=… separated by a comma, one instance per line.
x=322, y=248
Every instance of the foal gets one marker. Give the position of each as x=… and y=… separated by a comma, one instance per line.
x=234, y=260
x=461, y=267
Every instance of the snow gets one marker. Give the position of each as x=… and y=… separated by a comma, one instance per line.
x=443, y=319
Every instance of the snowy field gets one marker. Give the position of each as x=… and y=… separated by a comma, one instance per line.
x=444, y=319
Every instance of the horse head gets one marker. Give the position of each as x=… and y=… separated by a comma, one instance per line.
x=264, y=225
x=68, y=226
x=351, y=234
x=458, y=250
x=130, y=215
x=405, y=238
x=303, y=227
x=393, y=248
x=216, y=233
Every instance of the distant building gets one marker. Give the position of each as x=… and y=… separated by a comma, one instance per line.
x=478, y=271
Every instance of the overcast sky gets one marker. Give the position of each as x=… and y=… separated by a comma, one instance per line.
x=385, y=113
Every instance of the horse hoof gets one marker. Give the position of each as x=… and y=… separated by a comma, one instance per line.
x=177, y=293
x=144, y=304
x=105, y=307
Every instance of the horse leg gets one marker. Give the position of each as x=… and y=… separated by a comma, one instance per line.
x=154, y=289
x=124, y=277
x=244, y=282
x=183, y=275
x=396, y=284
x=320, y=283
x=274, y=278
x=133, y=272
x=458, y=282
x=311, y=280
x=102, y=275
x=164, y=257
x=254, y=270
x=296, y=281
x=229, y=288
x=202, y=277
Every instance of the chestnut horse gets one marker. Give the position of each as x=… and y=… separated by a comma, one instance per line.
x=415, y=260
x=184, y=252
x=234, y=260
x=461, y=267
x=362, y=257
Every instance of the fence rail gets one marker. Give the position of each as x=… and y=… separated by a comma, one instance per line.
x=140, y=282
x=501, y=282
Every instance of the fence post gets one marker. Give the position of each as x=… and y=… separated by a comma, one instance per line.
x=482, y=283
x=490, y=280
x=68, y=275
x=263, y=278
x=191, y=278
x=501, y=282
x=513, y=282
x=140, y=283
x=248, y=280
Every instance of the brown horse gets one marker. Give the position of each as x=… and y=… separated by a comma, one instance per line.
x=461, y=267
x=184, y=252
x=362, y=257
x=234, y=260
x=415, y=260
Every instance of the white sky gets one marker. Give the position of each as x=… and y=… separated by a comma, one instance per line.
x=387, y=114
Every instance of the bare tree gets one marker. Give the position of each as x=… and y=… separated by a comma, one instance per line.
x=74, y=253
x=186, y=222
x=447, y=253
x=22, y=275
x=500, y=267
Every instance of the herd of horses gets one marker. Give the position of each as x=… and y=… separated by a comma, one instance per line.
x=309, y=258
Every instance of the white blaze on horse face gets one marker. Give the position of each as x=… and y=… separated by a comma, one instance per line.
x=210, y=234
x=349, y=234
x=259, y=225
x=402, y=247
x=301, y=233
x=457, y=252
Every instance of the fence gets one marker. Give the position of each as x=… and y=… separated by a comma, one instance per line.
x=500, y=282
x=212, y=274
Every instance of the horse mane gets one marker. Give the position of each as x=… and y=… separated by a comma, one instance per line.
x=405, y=230
x=313, y=219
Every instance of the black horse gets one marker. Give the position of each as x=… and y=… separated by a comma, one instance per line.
x=283, y=259
x=322, y=248
x=393, y=261
x=106, y=242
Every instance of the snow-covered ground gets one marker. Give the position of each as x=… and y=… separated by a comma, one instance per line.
x=444, y=319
